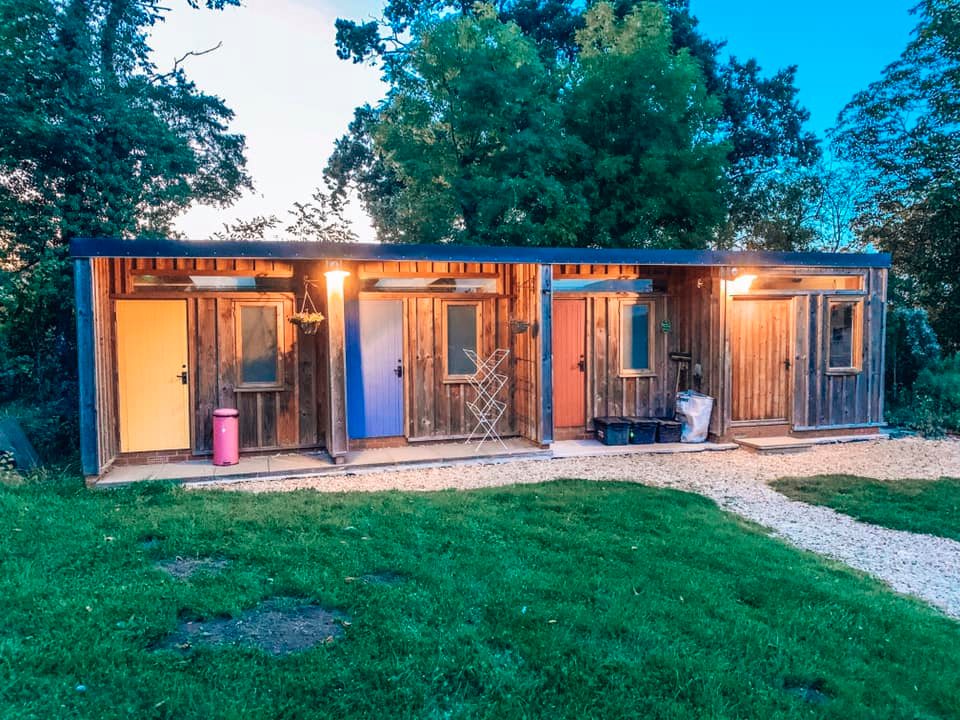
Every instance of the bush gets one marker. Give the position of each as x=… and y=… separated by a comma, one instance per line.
x=933, y=405
x=912, y=346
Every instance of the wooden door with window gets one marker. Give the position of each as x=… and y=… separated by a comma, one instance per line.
x=153, y=390
x=569, y=363
x=761, y=338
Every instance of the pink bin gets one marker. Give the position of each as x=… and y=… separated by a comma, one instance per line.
x=226, y=436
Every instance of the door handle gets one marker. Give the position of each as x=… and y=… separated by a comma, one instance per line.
x=786, y=363
x=582, y=364
x=184, y=378
x=398, y=370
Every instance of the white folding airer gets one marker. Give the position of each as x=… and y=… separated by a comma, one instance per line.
x=487, y=382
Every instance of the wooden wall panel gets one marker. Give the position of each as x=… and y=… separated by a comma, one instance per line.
x=438, y=409
x=288, y=419
x=524, y=307
x=105, y=363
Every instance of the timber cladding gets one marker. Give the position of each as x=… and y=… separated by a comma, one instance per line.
x=287, y=415
x=436, y=401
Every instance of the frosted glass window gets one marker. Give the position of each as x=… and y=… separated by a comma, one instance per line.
x=461, y=335
x=635, y=337
x=259, y=345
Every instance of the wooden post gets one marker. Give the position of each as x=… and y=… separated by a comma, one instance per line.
x=336, y=406
x=86, y=366
x=546, y=354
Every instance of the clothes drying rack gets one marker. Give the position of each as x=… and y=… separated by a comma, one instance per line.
x=487, y=409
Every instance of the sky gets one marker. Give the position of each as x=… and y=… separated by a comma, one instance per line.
x=278, y=70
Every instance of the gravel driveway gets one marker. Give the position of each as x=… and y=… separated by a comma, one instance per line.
x=921, y=565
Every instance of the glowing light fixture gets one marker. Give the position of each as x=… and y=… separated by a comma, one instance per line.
x=335, y=272
x=740, y=284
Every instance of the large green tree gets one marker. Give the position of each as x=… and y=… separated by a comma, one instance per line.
x=652, y=170
x=903, y=133
x=769, y=151
x=95, y=140
x=482, y=140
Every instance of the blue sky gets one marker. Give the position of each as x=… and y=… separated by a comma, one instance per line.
x=293, y=98
x=839, y=46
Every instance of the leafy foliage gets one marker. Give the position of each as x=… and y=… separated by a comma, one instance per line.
x=757, y=116
x=651, y=171
x=903, y=133
x=94, y=140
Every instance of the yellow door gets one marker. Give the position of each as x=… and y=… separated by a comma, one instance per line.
x=151, y=355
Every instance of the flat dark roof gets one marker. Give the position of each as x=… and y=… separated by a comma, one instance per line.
x=292, y=250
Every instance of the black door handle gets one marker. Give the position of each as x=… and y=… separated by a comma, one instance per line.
x=398, y=370
x=184, y=378
x=786, y=363
x=582, y=364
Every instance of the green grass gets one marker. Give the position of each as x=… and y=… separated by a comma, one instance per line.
x=569, y=599
x=921, y=506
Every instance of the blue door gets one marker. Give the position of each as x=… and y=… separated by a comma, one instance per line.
x=374, y=368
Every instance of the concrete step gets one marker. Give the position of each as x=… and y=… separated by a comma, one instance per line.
x=776, y=444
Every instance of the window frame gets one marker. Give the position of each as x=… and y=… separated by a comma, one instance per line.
x=445, y=346
x=650, y=370
x=238, y=306
x=856, y=340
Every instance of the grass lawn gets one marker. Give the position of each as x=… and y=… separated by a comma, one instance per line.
x=569, y=599
x=923, y=506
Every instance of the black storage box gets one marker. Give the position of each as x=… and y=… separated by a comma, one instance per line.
x=668, y=431
x=612, y=430
x=642, y=430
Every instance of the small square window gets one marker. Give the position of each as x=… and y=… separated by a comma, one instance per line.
x=636, y=338
x=844, y=336
x=460, y=332
x=259, y=337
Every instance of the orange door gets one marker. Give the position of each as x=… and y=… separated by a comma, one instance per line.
x=569, y=363
x=760, y=340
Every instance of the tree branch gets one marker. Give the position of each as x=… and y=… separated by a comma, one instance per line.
x=178, y=61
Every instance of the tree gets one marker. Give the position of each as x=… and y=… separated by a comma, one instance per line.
x=760, y=117
x=903, y=134
x=652, y=170
x=94, y=140
x=471, y=133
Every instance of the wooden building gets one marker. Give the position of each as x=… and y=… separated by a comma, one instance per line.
x=787, y=343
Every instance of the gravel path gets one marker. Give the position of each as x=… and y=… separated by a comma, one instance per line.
x=921, y=565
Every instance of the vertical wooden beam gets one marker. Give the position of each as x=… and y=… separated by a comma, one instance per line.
x=546, y=354
x=336, y=407
x=86, y=366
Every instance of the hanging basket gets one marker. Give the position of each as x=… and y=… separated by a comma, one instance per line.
x=308, y=318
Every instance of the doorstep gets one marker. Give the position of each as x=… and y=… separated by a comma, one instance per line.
x=784, y=444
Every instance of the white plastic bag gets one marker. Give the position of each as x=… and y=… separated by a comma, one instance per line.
x=693, y=412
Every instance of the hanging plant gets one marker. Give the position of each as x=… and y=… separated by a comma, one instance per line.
x=307, y=318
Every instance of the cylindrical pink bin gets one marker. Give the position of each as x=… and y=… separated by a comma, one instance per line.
x=226, y=436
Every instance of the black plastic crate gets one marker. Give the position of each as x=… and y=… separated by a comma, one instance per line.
x=668, y=431
x=612, y=430
x=642, y=430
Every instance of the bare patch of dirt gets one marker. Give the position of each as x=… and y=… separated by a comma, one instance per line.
x=278, y=626
x=185, y=568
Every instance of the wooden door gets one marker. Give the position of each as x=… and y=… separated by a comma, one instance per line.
x=153, y=394
x=761, y=336
x=375, y=368
x=569, y=363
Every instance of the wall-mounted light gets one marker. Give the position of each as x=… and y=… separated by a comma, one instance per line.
x=740, y=284
x=335, y=273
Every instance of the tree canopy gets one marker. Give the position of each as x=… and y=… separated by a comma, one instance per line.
x=756, y=117
x=95, y=140
x=903, y=133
